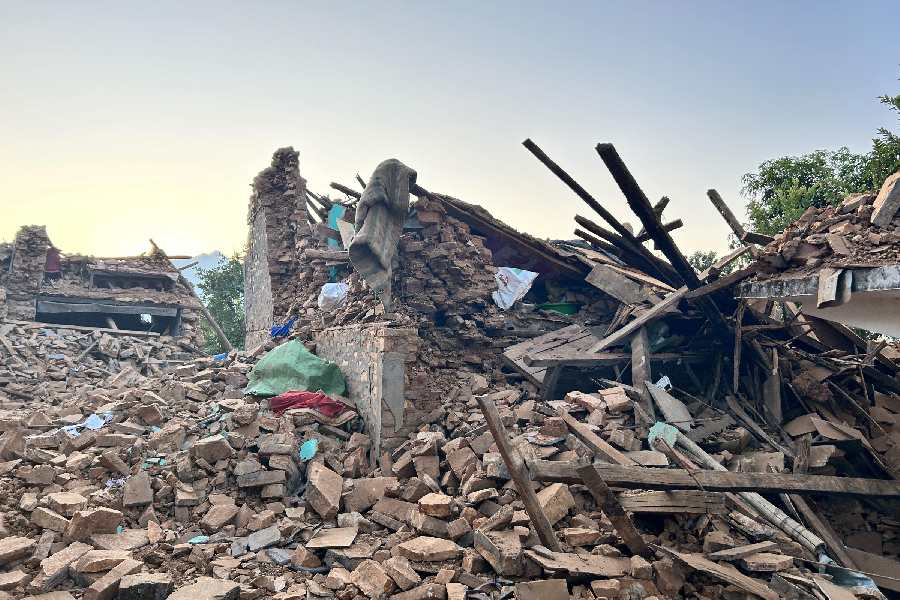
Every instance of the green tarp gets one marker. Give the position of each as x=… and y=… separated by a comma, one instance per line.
x=291, y=366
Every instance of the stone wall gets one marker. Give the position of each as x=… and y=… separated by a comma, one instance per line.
x=376, y=361
x=278, y=222
x=26, y=271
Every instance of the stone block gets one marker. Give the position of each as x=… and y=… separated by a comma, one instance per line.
x=556, y=500
x=323, y=490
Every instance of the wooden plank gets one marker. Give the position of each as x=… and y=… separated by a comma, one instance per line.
x=674, y=502
x=723, y=282
x=335, y=255
x=582, y=565
x=650, y=315
x=581, y=359
x=519, y=474
x=614, y=510
x=35, y=325
x=754, y=427
x=550, y=382
x=572, y=337
x=732, y=554
x=640, y=371
x=726, y=573
x=593, y=441
x=620, y=287
x=632, y=477
x=57, y=307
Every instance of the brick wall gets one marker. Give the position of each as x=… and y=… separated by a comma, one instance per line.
x=376, y=361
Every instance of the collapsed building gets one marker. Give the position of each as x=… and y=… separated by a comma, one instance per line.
x=469, y=412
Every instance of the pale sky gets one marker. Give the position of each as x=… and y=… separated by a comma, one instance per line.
x=121, y=121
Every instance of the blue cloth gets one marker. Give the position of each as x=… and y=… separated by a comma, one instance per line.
x=334, y=215
x=283, y=330
x=222, y=356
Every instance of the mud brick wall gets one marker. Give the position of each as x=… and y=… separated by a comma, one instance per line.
x=375, y=360
x=26, y=271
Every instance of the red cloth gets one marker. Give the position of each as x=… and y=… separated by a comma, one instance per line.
x=314, y=400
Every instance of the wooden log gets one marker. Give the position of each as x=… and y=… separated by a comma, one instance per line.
x=607, y=216
x=345, y=190
x=613, y=509
x=658, y=209
x=593, y=441
x=630, y=250
x=601, y=359
x=695, y=502
x=335, y=255
x=598, y=243
x=519, y=474
x=220, y=335
x=658, y=310
x=644, y=211
x=642, y=478
x=640, y=371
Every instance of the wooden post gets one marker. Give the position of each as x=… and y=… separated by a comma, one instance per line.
x=519, y=474
x=639, y=203
x=742, y=234
x=613, y=509
x=209, y=318
x=640, y=370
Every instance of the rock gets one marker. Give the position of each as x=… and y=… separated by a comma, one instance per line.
x=55, y=568
x=366, y=492
x=138, y=491
x=145, y=586
x=212, y=449
x=456, y=591
x=264, y=538
x=66, y=503
x=606, y=589
x=304, y=558
x=13, y=579
x=429, y=549
x=86, y=523
x=218, y=516
x=641, y=568
x=95, y=561
x=556, y=500
x=208, y=588
x=767, y=562
x=127, y=539
x=323, y=491
x=502, y=550
x=436, y=505
x=546, y=589
x=107, y=586
x=372, y=580
x=48, y=519
x=581, y=536
x=887, y=202
x=399, y=569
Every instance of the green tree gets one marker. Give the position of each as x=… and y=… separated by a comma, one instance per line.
x=701, y=260
x=781, y=189
x=222, y=290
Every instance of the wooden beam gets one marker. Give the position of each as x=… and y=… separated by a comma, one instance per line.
x=335, y=255
x=602, y=359
x=223, y=339
x=642, y=208
x=613, y=510
x=640, y=371
x=723, y=282
x=597, y=242
x=651, y=314
x=590, y=201
x=345, y=190
x=519, y=474
x=631, y=251
x=593, y=441
x=641, y=478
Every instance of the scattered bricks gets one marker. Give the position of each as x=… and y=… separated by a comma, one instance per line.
x=669, y=577
x=456, y=591
x=502, y=550
x=127, y=539
x=581, y=536
x=14, y=548
x=66, y=503
x=372, y=580
x=494, y=466
x=55, y=568
x=86, y=523
x=145, y=586
x=304, y=558
x=264, y=538
x=41, y=475
x=428, y=591
x=208, y=588
x=13, y=579
x=838, y=244
x=44, y=545
x=427, y=465
x=767, y=562
x=616, y=400
x=461, y=459
x=28, y=502
x=887, y=202
x=399, y=569
x=606, y=589
x=96, y=561
x=414, y=489
x=717, y=540
x=111, y=460
x=556, y=500
x=138, y=491
x=547, y=589
x=458, y=528
x=404, y=467
x=218, y=516
x=428, y=525
x=112, y=440
x=261, y=478
x=429, y=549
x=436, y=505
x=212, y=449
x=323, y=491
x=48, y=519
x=366, y=492
x=641, y=568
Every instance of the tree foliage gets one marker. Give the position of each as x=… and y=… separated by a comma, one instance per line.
x=222, y=290
x=781, y=189
x=701, y=260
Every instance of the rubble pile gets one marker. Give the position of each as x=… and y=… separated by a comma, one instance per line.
x=862, y=231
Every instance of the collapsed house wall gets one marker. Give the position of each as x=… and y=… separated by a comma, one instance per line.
x=26, y=271
x=277, y=219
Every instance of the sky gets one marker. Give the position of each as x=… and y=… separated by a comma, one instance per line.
x=124, y=121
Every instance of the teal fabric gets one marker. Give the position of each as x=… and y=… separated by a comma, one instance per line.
x=291, y=366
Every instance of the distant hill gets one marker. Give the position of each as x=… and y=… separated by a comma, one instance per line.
x=205, y=261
